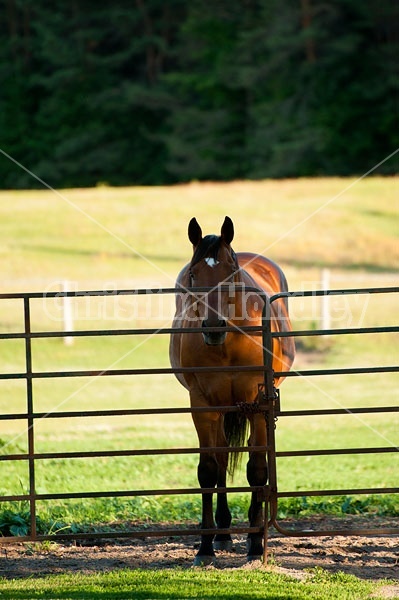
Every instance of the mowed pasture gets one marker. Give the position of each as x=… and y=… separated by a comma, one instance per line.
x=128, y=238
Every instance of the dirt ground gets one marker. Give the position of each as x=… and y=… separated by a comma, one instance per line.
x=371, y=557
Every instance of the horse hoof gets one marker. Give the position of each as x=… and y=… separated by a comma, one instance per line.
x=204, y=561
x=224, y=545
x=253, y=558
x=254, y=551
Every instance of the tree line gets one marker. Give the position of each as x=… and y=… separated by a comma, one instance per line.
x=162, y=91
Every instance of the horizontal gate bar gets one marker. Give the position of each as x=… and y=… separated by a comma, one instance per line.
x=121, y=332
x=125, y=412
x=118, y=372
x=170, y=371
x=171, y=451
x=196, y=491
x=353, y=371
x=177, y=290
x=342, y=331
x=134, y=534
x=340, y=292
x=343, y=492
x=338, y=411
x=171, y=411
x=227, y=287
x=168, y=330
x=113, y=453
x=332, y=452
x=133, y=493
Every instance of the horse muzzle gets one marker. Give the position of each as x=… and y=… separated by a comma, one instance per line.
x=214, y=338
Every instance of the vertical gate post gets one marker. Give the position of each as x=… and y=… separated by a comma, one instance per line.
x=270, y=398
x=266, y=529
x=31, y=433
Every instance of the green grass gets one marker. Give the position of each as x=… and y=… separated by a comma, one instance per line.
x=200, y=584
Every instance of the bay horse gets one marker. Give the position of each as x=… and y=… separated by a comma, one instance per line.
x=214, y=263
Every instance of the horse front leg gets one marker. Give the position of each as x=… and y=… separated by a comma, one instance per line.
x=257, y=476
x=206, y=425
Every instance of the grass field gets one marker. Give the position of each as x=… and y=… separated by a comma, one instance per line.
x=94, y=236
x=108, y=238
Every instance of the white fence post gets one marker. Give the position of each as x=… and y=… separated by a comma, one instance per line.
x=67, y=315
x=325, y=300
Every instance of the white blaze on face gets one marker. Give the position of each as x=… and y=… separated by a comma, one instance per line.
x=211, y=262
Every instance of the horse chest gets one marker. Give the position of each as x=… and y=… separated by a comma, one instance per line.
x=227, y=389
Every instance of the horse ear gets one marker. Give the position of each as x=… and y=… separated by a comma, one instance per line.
x=194, y=232
x=227, y=230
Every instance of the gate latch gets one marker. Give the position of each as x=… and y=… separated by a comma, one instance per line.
x=265, y=402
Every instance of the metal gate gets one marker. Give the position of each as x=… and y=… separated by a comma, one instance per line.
x=268, y=403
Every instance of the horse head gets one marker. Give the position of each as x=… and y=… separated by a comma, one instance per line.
x=214, y=264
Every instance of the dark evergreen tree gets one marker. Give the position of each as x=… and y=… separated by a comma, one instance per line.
x=267, y=90
x=155, y=91
x=85, y=100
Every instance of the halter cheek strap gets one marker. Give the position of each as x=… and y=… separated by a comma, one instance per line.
x=191, y=276
x=194, y=303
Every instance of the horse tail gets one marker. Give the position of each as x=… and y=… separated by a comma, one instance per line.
x=235, y=430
